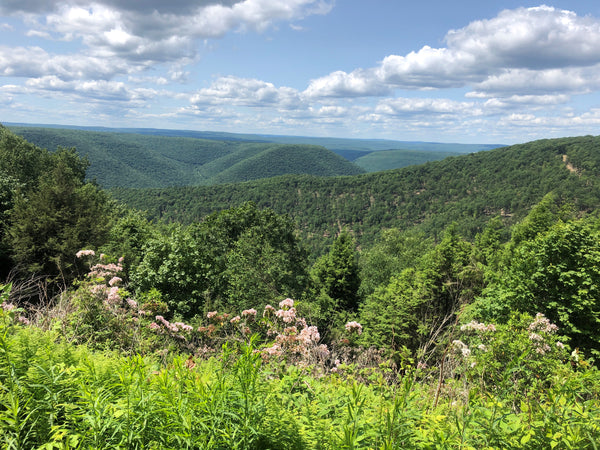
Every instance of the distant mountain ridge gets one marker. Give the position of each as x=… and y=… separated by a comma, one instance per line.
x=144, y=160
x=398, y=153
x=330, y=143
x=398, y=158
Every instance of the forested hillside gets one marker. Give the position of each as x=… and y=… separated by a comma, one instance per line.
x=136, y=160
x=179, y=157
x=335, y=144
x=117, y=331
x=395, y=159
x=467, y=190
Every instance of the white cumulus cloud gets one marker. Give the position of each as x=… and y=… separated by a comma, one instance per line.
x=154, y=31
x=246, y=92
x=528, y=81
x=399, y=106
x=542, y=42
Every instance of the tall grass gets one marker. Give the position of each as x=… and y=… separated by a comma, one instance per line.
x=58, y=395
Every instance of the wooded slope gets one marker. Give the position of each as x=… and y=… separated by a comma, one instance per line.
x=136, y=160
x=465, y=189
x=396, y=159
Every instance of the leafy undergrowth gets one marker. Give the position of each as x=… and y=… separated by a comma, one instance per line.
x=252, y=382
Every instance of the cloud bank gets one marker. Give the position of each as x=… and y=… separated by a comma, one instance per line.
x=516, y=71
x=535, y=48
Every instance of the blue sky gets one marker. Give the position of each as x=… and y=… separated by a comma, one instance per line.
x=467, y=71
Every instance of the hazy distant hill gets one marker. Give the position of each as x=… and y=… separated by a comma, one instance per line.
x=282, y=159
x=405, y=152
x=466, y=189
x=147, y=160
x=396, y=159
x=338, y=144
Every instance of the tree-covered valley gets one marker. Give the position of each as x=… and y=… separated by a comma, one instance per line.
x=161, y=158
x=142, y=160
x=453, y=304
x=467, y=190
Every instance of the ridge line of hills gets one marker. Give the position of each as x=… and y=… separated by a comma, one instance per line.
x=136, y=160
x=328, y=142
x=159, y=158
x=467, y=190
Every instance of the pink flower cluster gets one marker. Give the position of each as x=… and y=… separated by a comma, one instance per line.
x=11, y=307
x=296, y=345
x=172, y=327
x=7, y=306
x=114, y=281
x=286, y=311
x=218, y=319
x=209, y=330
x=110, y=291
x=290, y=336
x=104, y=270
x=354, y=327
x=535, y=337
x=542, y=324
x=273, y=351
x=184, y=327
x=219, y=326
x=82, y=253
x=132, y=303
x=24, y=320
x=110, y=294
x=478, y=327
x=269, y=311
x=461, y=347
x=287, y=303
x=286, y=315
x=113, y=297
x=301, y=346
x=310, y=335
x=249, y=312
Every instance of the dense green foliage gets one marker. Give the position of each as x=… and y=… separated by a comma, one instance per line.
x=333, y=295
x=393, y=251
x=48, y=211
x=64, y=207
x=468, y=190
x=136, y=160
x=21, y=163
x=483, y=333
x=410, y=309
x=339, y=145
x=556, y=273
x=497, y=392
x=395, y=159
x=238, y=259
x=276, y=160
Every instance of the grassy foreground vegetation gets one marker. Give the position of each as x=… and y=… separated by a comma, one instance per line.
x=120, y=332
x=59, y=395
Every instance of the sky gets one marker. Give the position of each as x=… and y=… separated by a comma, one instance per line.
x=485, y=71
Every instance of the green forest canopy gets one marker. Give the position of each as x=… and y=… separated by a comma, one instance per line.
x=468, y=190
x=430, y=336
x=141, y=160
